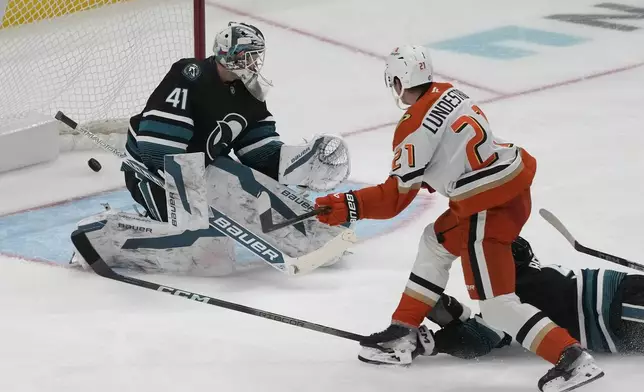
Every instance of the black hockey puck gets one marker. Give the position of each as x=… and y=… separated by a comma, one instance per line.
x=94, y=165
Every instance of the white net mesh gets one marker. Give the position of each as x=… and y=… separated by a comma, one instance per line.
x=96, y=60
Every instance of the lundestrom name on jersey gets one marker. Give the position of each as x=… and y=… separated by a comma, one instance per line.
x=443, y=108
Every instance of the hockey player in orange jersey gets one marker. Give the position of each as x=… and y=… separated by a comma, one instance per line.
x=443, y=143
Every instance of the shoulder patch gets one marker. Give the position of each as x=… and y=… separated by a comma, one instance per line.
x=191, y=71
x=405, y=117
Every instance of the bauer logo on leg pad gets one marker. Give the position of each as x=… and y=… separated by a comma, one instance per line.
x=299, y=200
x=125, y=226
x=246, y=238
x=173, y=208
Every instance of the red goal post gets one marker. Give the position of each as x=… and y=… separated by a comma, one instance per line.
x=97, y=60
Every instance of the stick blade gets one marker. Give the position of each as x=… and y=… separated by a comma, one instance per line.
x=60, y=116
x=556, y=223
x=334, y=248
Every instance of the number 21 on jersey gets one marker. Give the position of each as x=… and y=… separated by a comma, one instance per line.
x=178, y=95
x=409, y=156
x=480, y=136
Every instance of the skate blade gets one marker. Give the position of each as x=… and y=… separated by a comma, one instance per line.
x=580, y=379
x=379, y=356
x=383, y=363
x=581, y=384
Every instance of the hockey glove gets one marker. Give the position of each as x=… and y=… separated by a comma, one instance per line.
x=344, y=208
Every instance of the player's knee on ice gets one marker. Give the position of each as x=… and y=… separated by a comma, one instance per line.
x=448, y=310
x=460, y=335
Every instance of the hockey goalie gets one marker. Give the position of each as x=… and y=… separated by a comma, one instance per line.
x=200, y=113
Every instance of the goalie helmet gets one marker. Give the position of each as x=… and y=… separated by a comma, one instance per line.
x=241, y=48
x=411, y=65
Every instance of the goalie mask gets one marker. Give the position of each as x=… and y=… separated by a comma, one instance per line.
x=240, y=48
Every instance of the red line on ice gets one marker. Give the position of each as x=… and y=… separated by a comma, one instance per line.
x=499, y=96
x=331, y=41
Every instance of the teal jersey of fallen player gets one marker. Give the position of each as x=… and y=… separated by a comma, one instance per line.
x=581, y=301
x=599, y=314
x=193, y=110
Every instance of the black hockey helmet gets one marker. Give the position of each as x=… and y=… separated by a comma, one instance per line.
x=521, y=250
x=523, y=255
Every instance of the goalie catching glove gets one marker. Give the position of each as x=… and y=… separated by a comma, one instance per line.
x=319, y=165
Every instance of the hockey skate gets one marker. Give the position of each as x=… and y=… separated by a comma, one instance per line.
x=575, y=368
x=397, y=345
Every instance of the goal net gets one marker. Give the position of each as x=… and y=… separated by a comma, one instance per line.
x=96, y=60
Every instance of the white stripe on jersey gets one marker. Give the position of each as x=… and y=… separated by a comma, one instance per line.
x=164, y=142
x=632, y=319
x=170, y=116
x=600, y=314
x=256, y=145
x=580, y=309
x=504, y=174
x=269, y=118
x=481, y=261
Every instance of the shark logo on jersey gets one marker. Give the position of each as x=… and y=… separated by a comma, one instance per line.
x=224, y=133
x=191, y=71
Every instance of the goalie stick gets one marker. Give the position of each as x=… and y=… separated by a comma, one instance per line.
x=94, y=260
x=266, y=215
x=232, y=229
x=556, y=223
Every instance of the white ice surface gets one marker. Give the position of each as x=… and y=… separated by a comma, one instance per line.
x=64, y=330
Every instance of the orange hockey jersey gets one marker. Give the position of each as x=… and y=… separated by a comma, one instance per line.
x=444, y=142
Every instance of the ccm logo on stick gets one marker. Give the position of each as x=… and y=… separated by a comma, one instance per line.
x=185, y=294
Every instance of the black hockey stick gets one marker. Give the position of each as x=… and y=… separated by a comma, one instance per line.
x=137, y=167
x=266, y=215
x=85, y=248
x=556, y=223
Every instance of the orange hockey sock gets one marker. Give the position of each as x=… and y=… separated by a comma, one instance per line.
x=411, y=311
x=553, y=344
